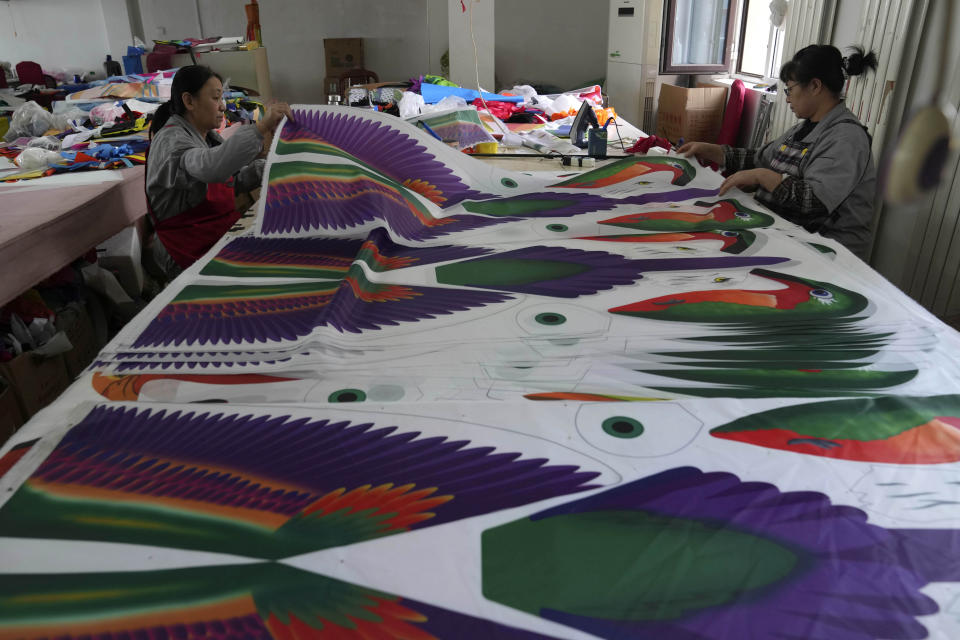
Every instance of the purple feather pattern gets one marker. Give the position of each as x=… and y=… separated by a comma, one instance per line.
x=124, y=449
x=361, y=305
x=318, y=252
x=316, y=203
x=397, y=155
x=419, y=255
x=356, y=305
x=854, y=588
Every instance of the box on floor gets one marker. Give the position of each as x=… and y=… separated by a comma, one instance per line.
x=36, y=381
x=692, y=114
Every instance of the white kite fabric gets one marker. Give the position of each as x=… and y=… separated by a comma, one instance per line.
x=427, y=398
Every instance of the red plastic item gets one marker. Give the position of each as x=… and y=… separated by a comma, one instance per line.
x=643, y=145
x=731, y=115
x=502, y=110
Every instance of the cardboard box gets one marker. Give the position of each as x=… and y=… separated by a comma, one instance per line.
x=79, y=329
x=11, y=418
x=342, y=54
x=691, y=114
x=36, y=381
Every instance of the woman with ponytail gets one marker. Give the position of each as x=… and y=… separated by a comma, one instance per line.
x=193, y=174
x=820, y=173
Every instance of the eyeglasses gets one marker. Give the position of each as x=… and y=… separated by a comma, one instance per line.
x=788, y=88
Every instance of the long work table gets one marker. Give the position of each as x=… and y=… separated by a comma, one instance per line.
x=46, y=224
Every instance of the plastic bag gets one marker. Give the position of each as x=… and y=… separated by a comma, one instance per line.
x=411, y=104
x=450, y=103
x=563, y=104
x=106, y=113
x=51, y=143
x=70, y=119
x=544, y=142
x=31, y=120
x=524, y=90
x=36, y=158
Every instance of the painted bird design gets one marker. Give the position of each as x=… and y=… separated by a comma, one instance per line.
x=688, y=554
x=237, y=314
x=262, y=601
x=569, y=273
x=724, y=215
x=891, y=429
x=798, y=299
x=681, y=172
x=264, y=486
x=734, y=242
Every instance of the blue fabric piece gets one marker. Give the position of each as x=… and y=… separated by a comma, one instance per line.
x=132, y=63
x=433, y=93
x=73, y=87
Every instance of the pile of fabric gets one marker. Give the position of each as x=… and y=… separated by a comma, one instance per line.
x=99, y=125
x=515, y=117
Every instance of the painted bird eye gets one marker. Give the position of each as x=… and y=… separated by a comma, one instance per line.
x=721, y=279
x=550, y=318
x=622, y=427
x=742, y=215
x=730, y=234
x=347, y=395
x=823, y=294
x=557, y=227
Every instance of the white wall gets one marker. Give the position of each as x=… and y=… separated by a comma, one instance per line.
x=116, y=22
x=169, y=19
x=58, y=34
x=401, y=39
x=558, y=42
x=223, y=17
x=472, y=43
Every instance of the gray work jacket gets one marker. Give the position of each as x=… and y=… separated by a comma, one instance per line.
x=837, y=164
x=182, y=163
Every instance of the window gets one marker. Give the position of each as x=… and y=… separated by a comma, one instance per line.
x=760, y=46
x=698, y=35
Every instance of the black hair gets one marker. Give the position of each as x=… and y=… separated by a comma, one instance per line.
x=189, y=79
x=826, y=63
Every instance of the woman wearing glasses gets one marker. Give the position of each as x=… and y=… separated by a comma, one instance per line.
x=820, y=173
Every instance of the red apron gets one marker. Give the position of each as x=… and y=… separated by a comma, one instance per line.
x=190, y=234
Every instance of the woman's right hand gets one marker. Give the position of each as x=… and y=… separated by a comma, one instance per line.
x=704, y=151
x=274, y=114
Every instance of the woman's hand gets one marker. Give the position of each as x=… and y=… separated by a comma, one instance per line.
x=274, y=114
x=703, y=151
x=751, y=179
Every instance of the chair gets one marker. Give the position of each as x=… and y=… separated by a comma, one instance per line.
x=355, y=76
x=30, y=73
x=159, y=61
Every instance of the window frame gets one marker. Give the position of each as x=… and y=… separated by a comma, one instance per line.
x=668, y=68
x=774, y=41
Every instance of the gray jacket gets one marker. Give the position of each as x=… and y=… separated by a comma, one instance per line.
x=181, y=164
x=838, y=168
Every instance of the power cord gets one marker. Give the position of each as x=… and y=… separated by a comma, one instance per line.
x=476, y=58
